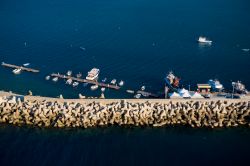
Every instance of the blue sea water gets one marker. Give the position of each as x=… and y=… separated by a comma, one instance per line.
x=137, y=41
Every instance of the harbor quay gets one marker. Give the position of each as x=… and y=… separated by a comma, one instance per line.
x=86, y=113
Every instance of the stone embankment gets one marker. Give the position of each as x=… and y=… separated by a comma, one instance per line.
x=94, y=113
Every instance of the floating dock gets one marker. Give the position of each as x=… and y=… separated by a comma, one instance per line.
x=86, y=81
x=20, y=67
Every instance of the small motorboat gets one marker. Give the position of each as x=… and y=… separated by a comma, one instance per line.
x=143, y=88
x=75, y=84
x=113, y=81
x=137, y=96
x=204, y=40
x=55, y=79
x=121, y=83
x=94, y=87
x=47, y=77
x=26, y=64
x=130, y=91
x=69, y=73
x=103, y=89
x=69, y=81
x=17, y=71
x=79, y=75
x=104, y=80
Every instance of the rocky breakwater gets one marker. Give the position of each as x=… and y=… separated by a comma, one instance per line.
x=204, y=113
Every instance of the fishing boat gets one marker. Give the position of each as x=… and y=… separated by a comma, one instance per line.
x=17, y=71
x=47, y=77
x=69, y=81
x=104, y=80
x=79, y=75
x=93, y=74
x=113, y=81
x=55, y=79
x=75, y=84
x=26, y=64
x=121, y=83
x=103, y=89
x=143, y=88
x=137, y=96
x=204, y=40
x=94, y=87
x=215, y=85
x=240, y=88
x=172, y=82
x=69, y=73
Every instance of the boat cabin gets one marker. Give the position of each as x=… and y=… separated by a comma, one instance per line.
x=203, y=88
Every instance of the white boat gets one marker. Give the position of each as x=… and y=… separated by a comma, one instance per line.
x=47, y=77
x=204, y=40
x=143, y=88
x=94, y=87
x=130, y=91
x=55, y=79
x=75, y=84
x=93, y=74
x=104, y=80
x=215, y=84
x=69, y=81
x=246, y=49
x=137, y=96
x=26, y=64
x=79, y=75
x=17, y=71
x=69, y=73
x=103, y=89
x=113, y=81
x=121, y=83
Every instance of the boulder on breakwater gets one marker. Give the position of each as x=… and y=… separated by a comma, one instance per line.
x=94, y=113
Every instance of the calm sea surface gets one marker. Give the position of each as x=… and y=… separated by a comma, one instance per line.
x=137, y=41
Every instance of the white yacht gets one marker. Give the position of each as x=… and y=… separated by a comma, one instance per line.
x=75, y=84
x=17, y=71
x=94, y=87
x=113, y=81
x=69, y=73
x=93, y=74
x=69, y=81
x=143, y=88
x=204, y=40
x=47, y=77
x=215, y=84
x=103, y=89
x=121, y=83
x=55, y=79
x=137, y=96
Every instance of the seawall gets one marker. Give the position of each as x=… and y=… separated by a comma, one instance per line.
x=85, y=113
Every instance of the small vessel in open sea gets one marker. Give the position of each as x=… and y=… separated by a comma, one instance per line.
x=94, y=87
x=204, y=40
x=17, y=71
x=93, y=74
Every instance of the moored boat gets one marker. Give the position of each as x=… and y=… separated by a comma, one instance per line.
x=79, y=75
x=121, y=83
x=75, y=84
x=215, y=85
x=143, y=88
x=172, y=81
x=93, y=74
x=113, y=81
x=55, y=79
x=17, y=71
x=26, y=64
x=130, y=91
x=47, y=77
x=69, y=73
x=69, y=81
x=104, y=80
x=94, y=87
x=137, y=96
x=238, y=87
x=103, y=89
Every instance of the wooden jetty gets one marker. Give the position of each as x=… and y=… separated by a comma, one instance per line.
x=86, y=81
x=20, y=67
